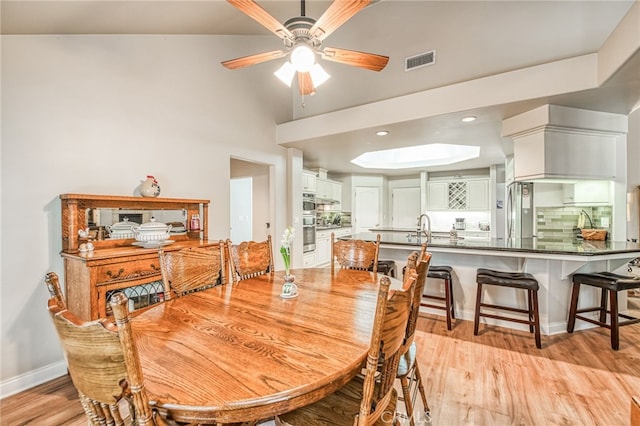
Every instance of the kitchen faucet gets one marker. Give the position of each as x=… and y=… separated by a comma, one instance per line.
x=420, y=227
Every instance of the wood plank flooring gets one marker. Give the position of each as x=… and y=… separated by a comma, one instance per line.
x=496, y=378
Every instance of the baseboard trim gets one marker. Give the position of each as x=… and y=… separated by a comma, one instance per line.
x=32, y=378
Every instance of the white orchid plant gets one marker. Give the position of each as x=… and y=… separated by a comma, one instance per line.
x=285, y=248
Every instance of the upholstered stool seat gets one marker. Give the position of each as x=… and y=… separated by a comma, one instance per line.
x=517, y=280
x=611, y=284
x=386, y=267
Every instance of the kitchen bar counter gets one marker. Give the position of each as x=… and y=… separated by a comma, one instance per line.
x=525, y=245
x=551, y=263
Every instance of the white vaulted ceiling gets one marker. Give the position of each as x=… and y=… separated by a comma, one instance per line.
x=483, y=42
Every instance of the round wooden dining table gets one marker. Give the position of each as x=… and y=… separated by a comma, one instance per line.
x=240, y=352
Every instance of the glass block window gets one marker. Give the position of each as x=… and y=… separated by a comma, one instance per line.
x=140, y=296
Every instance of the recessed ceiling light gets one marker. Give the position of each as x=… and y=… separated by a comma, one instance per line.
x=469, y=119
x=417, y=156
x=382, y=132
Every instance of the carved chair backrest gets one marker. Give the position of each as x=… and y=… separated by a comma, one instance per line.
x=53, y=285
x=250, y=259
x=389, y=325
x=103, y=363
x=193, y=269
x=420, y=263
x=355, y=254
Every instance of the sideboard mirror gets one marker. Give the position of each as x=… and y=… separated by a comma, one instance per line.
x=99, y=220
x=98, y=212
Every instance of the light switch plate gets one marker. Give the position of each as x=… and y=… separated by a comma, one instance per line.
x=604, y=222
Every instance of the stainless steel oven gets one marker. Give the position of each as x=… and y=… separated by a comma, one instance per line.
x=309, y=204
x=308, y=232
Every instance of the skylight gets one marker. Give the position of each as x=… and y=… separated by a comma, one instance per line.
x=437, y=154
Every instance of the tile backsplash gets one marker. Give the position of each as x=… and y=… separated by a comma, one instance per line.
x=558, y=223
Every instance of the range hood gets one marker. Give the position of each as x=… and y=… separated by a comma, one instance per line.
x=561, y=144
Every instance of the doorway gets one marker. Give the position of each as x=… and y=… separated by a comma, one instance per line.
x=241, y=209
x=250, y=201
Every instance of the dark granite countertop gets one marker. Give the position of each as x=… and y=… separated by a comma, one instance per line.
x=529, y=245
x=330, y=227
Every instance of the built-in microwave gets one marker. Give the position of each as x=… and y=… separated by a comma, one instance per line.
x=309, y=204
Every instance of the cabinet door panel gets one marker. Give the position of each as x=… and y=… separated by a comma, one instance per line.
x=478, y=194
x=405, y=207
x=438, y=196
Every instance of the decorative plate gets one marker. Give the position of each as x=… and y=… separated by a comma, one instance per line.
x=152, y=244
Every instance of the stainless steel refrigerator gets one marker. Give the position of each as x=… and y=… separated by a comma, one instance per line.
x=520, y=210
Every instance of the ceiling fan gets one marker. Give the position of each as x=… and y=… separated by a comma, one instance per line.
x=303, y=37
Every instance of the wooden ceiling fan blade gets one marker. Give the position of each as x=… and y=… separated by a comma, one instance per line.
x=337, y=14
x=369, y=61
x=245, y=61
x=305, y=84
x=255, y=11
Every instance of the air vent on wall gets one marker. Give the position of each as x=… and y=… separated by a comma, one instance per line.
x=420, y=60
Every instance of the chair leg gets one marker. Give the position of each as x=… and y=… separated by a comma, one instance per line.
x=476, y=320
x=615, y=326
x=423, y=395
x=603, y=306
x=447, y=302
x=407, y=399
x=573, y=307
x=451, y=303
x=536, y=318
x=530, y=303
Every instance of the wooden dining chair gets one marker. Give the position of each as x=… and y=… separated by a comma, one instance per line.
x=193, y=269
x=250, y=259
x=355, y=254
x=103, y=363
x=370, y=398
x=408, y=369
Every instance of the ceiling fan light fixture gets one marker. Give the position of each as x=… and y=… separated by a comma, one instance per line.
x=303, y=58
x=285, y=73
x=318, y=75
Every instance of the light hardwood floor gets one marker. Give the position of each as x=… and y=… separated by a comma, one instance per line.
x=496, y=378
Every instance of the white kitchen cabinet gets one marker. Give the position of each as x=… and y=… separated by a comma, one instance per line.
x=324, y=188
x=478, y=194
x=342, y=232
x=309, y=181
x=438, y=196
x=587, y=193
x=323, y=248
x=329, y=190
x=337, y=192
x=309, y=259
x=472, y=194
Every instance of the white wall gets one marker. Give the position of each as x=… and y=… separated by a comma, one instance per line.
x=633, y=176
x=95, y=114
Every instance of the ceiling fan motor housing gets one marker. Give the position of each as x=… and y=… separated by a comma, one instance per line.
x=299, y=27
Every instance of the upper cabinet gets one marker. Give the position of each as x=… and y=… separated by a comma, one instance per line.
x=309, y=182
x=471, y=194
x=438, y=196
x=478, y=194
x=329, y=191
x=587, y=193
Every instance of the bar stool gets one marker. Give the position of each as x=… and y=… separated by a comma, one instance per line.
x=386, y=267
x=608, y=283
x=518, y=280
x=442, y=273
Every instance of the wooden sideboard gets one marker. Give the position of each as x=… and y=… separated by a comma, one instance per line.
x=91, y=277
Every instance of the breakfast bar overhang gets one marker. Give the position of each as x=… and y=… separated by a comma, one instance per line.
x=551, y=263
